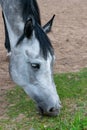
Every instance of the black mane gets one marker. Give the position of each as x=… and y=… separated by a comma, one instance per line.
x=30, y=7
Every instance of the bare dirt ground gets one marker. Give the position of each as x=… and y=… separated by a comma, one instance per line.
x=68, y=36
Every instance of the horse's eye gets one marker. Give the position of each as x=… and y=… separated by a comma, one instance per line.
x=35, y=66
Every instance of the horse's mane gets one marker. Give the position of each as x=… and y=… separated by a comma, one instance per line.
x=30, y=7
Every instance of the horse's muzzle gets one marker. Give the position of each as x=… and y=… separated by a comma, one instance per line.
x=51, y=112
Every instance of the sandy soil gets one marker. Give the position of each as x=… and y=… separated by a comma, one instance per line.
x=68, y=36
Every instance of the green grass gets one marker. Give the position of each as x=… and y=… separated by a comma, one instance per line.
x=21, y=113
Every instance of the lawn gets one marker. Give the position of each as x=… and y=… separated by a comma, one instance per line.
x=21, y=113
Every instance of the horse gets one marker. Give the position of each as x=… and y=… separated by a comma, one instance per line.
x=32, y=55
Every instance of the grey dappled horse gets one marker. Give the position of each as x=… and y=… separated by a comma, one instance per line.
x=32, y=55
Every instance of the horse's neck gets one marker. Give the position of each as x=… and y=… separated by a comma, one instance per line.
x=15, y=27
x=13, y=19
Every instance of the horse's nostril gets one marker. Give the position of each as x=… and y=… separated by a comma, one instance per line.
x=51, y=109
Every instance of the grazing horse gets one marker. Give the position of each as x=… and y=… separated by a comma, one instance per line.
x=32, y=55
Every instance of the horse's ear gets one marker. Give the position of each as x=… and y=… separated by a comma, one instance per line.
x=29, y=26
x=47, y=27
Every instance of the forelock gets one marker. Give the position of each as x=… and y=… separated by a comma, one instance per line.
x=44, y=41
